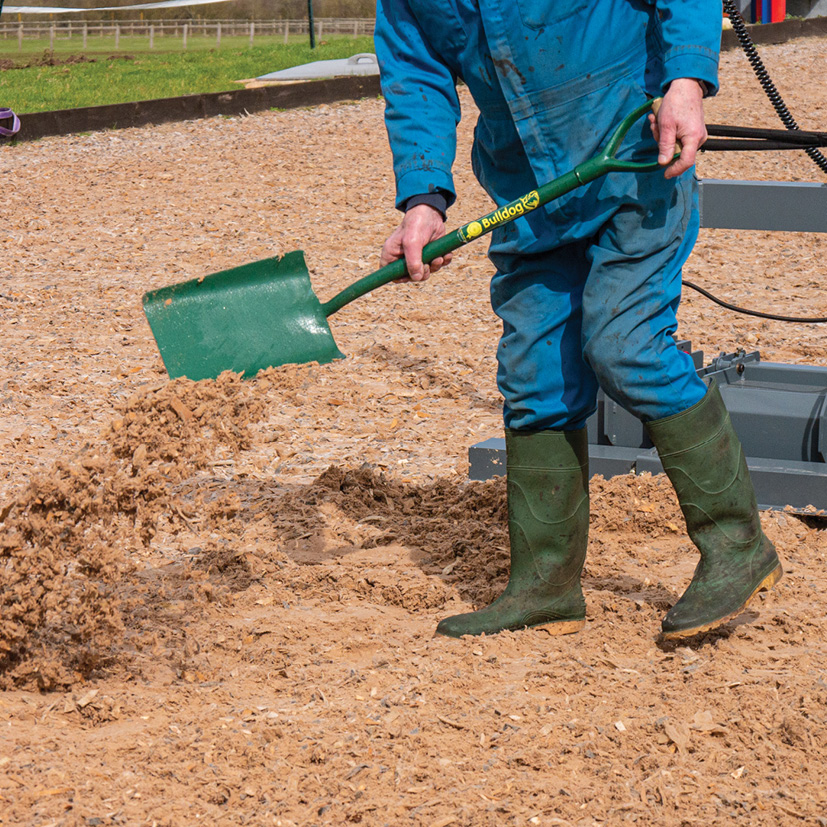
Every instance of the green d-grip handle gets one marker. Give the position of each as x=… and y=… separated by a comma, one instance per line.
x=596, y=167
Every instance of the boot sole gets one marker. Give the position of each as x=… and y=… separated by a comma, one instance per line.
x=564, y=627
x=554, y=627
x=767, y=583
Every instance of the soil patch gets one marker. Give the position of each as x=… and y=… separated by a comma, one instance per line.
x=49, y=58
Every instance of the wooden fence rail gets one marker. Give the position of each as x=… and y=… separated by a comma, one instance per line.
x=84, y=32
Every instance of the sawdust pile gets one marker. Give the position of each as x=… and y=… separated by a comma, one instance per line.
x=65, y=576
x=462, y=525
x=73, y=599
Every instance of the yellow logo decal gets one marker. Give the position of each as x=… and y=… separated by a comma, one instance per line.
x=473, y=229
x=532, y=200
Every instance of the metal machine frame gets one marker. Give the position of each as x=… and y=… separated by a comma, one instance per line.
x=778, y=410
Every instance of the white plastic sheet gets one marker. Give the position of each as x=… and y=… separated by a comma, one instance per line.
x=358, y=65
x=163, y=4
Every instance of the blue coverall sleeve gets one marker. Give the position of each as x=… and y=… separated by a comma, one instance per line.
x=691, y=31
x=421, y=104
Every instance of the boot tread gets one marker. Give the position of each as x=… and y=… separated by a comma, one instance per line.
x=767, y=583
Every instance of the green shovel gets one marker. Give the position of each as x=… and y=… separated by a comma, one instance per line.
x=266, y=314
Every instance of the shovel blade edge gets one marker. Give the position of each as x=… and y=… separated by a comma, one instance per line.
x=252, y=317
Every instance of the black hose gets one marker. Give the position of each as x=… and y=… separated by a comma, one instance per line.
x=734, y=145
x=773, y=316
x=763, y=76
x=729, y=139
x=788, y=136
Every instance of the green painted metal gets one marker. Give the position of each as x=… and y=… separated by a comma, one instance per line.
x=252, y=317
x=266, y=314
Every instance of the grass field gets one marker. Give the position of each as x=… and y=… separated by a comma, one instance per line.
x=154, y=74
x=34, y=47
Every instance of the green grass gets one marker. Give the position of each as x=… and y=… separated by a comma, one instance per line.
x=156, y=74
x=96, y=46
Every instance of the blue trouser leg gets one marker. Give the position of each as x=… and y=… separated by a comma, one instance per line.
x=631, y=299
x=599, y=310
x=542, y=375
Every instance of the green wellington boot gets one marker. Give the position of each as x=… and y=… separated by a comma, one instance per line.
x=548, y=523
x=703, y=458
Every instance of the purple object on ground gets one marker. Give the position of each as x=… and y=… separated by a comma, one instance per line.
x=15, y=122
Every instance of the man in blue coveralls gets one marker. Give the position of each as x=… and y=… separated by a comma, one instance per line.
x=588, y=286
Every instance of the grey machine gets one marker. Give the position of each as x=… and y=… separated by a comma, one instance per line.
x=778, y=410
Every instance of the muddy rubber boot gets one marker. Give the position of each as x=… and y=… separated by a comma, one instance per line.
x=704, y=460
x=548, y=523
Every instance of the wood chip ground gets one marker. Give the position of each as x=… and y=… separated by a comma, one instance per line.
x=218, y=599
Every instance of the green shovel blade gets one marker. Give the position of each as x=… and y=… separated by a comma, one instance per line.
x=257, y=316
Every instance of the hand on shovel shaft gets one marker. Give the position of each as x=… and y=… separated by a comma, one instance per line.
x=421, y=235
x=421, y=225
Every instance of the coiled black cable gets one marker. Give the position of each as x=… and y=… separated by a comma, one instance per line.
x=764, y=79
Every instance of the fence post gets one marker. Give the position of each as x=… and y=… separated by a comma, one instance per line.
x=19, y=38
x=356, y=28
x=218, y=35
x=151, y=36
x=117, y=36
x=286, y=30
x=184, y=36
x=51, y=38
x=252, y=32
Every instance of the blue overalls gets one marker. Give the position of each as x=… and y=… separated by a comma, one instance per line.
x=588, y=286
